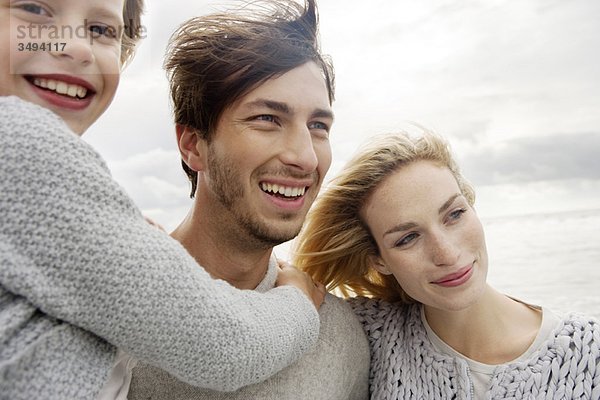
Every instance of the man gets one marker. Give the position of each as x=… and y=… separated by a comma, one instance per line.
x=252, y=98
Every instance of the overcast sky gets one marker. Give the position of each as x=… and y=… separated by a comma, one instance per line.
x=514, y=86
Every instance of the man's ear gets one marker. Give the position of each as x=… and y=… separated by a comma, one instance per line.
x=191, y=147
x=378, y=264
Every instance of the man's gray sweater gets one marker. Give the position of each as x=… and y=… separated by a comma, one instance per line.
x=336, y=368
x=82, y=273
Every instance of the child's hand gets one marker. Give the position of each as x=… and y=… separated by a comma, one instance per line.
x=290, y=275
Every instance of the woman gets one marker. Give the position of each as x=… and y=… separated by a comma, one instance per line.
x=398, y=226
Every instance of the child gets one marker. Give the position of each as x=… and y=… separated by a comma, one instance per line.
x=81, y=272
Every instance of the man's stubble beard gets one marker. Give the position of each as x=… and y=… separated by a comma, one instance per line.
x=226, y=185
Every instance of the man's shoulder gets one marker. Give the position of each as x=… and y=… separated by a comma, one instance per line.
x=337, y=302
x=335, y=310
x=337, y=367
x=339, y=325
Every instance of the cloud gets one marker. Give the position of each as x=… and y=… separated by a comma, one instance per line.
x=525, y=198
x=507, y=82
x=542, y=158
x=153, y=179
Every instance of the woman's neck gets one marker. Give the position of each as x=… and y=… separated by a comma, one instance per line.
x=495, y=330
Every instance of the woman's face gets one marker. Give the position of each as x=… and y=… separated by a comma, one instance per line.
x=428, y=235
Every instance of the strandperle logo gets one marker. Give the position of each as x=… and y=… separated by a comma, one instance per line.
x=66, y=32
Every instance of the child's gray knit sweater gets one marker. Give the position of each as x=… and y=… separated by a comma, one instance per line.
x=81, y=273
x=406, y=365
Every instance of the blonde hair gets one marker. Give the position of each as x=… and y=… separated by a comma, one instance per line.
x=335, y=246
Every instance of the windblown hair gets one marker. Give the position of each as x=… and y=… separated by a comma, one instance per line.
x=214, y=60
x=132, y=19
x=335, y=246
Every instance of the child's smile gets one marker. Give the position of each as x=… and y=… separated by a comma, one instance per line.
x=63, y=91
x=74, y=74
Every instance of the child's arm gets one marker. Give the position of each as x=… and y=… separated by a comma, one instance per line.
x=76, y=247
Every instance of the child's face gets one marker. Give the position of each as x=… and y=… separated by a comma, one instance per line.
x=62, y=54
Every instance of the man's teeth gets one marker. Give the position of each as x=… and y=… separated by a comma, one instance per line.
x=283, y=190
x=61, y=87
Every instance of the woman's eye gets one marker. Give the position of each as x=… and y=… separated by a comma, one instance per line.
x=454, y=215
x=406, y=240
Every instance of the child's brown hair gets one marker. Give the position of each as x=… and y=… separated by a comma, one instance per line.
x=133, y=29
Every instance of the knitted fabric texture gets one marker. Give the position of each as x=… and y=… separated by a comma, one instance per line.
x=82, y=272
x=405, y=365
x=337, y=368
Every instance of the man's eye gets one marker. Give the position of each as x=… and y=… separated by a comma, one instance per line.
x=319, y=125
x=265, y=117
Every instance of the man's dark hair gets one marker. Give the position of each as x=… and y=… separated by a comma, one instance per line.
x=215, y=59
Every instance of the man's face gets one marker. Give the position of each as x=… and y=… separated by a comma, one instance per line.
x=270, y=153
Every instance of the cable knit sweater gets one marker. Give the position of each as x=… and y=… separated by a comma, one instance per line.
x=405, y=365
x=82, y=273
x=336, y=368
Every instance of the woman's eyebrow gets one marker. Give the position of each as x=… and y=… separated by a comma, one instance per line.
x=400, y=227
x=410, y=225
x=448, y=203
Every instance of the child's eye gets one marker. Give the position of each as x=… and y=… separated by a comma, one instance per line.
x=102, y=30
x=34, y=9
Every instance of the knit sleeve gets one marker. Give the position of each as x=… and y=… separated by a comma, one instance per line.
x=75, y=246
x=370, y=312
x=565, y=366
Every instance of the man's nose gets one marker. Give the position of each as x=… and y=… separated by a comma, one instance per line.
x=299, y=150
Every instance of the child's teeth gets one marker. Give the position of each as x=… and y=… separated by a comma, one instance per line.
x=61, y=87
x=72, y=91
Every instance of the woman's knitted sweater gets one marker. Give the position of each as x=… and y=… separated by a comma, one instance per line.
x=82, y=273
x=405, y=364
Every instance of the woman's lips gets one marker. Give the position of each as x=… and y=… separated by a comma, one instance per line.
x=457, y=278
